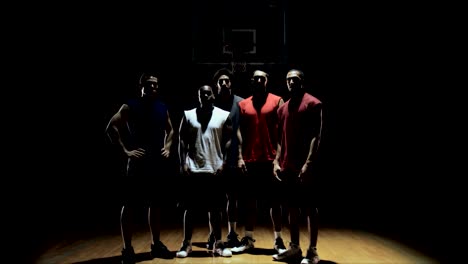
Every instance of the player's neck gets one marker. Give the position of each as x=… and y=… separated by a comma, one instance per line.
x=206, y=107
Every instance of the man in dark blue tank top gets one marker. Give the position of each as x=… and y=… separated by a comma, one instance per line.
x=228, y=101
x=143, y=130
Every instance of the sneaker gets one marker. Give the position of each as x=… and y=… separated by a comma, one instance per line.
x=279, y=245
x=184, y=250
x=246, y=243
x=128, y=256
x=311, y=257
x=159, y=250
x=232, y=240
x=211, y=241
x=220, y=250
x=292, y=253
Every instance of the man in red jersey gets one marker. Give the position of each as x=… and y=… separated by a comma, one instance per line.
x=299, y=131
x=259, y=127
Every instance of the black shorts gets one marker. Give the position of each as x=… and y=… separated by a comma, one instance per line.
x=146, y=184
x=201, y=191
x=232, y=181
x=298, y=193
x=259, y=184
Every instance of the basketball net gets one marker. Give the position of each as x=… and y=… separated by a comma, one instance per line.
x=238, y=66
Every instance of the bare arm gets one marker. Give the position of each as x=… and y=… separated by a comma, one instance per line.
x=227, y=135
x=226, y=141
x=314, y=144
x=118, y=122
x=182, y=146
x=276, y=165
x=166, y=150
x=240, y=159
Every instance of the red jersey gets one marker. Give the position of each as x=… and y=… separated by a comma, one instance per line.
x=259, y=129
x=297, y=126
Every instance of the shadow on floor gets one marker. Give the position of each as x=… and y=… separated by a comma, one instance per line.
x=298, y=261
x=117, y=259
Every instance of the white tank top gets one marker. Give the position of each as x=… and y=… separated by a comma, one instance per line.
x=207, y=156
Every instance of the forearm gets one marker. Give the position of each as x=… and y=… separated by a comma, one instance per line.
x=116, y=123
x=239, y=146
x=314, y=143
x=278, y=154
x=182, y=152
x=182, y=144
x=227, y=139
x=168, y=140
x=226, y=151
x=169, y=133
x=312, y=151
x=239, y=152
x=114, y=134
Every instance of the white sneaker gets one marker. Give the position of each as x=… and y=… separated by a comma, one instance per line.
x=314, y=260
x=220, y=250
x=185, y=249
x=246, y=244
x=279, y=246
x=311, y=257
x=294, y=252
x=281, y=251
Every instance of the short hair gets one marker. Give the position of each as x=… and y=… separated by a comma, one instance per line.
x=300, y=73
x=261, y=70
x=266, y=68
x=205, y=86
x=145, y=77
x=220, y=72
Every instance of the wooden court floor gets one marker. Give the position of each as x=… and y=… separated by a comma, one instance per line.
x=334, y=246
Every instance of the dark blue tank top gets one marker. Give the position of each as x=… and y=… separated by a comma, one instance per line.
x=147, y=121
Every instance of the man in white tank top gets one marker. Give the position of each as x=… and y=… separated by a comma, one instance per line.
x=204, y=138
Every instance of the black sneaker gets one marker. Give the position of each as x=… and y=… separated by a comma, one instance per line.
x=128, y=256
x=159, y=250
x=279, y=245
x=232, y=240
x=294, y=252
x=211, y=241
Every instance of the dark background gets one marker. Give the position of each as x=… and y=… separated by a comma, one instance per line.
x=382, y=163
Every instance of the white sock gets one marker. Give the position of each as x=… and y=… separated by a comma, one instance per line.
x=277, y=234
x=232, y=227
x=249, y=234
